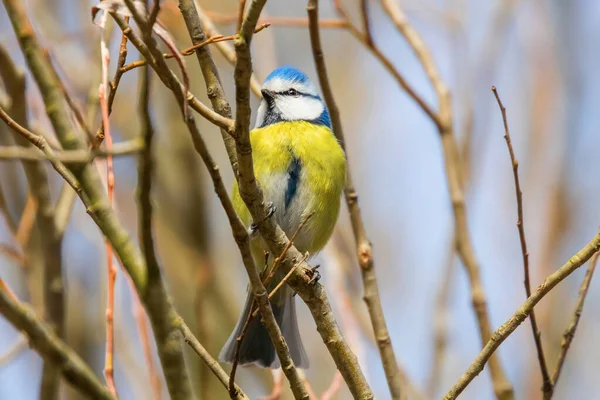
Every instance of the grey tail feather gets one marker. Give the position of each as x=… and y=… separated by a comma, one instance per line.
x=256, y=347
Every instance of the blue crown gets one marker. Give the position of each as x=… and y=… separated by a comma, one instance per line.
x=288, y=73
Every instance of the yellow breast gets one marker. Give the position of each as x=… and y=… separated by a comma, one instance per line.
x=321, y=179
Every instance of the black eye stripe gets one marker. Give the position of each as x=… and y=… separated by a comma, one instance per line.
x=298, y=93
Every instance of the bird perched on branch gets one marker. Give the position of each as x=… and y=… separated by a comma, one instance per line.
x=301, y=168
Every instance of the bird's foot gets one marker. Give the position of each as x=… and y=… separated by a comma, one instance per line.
x=313, y=274
x=270, y=210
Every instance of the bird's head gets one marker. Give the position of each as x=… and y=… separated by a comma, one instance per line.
x=289, y=95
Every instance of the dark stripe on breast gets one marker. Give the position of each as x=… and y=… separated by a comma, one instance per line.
x=293, y=180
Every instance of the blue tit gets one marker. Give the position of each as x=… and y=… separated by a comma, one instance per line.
x=301, y=168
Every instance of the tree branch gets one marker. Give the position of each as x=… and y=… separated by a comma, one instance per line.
x=51, y=348
x=521, y=314
x=156, y=301
x=16, y=153
x=214, y=88
x=51, y=239
x=570, y=331
x=363, y=245
x=444, y=123
x=313, y=295
x=547, y=383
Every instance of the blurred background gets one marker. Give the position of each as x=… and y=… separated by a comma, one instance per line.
x=543, y=57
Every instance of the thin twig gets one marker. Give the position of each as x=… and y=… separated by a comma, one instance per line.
x=363, y=245
x=41, y=144
x=364, y=12
x=569, y=333
x=521, y=314
x=283, y=22
x=190, y=50
x=114, y=84
x=20, y=345
x=214, y=366
x=547, y=383
x=225, y=48
x=18, y=153
x=110, y=184
x=240, y=19
x=277, y=260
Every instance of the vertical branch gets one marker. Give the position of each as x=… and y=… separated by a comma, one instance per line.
x=162, y=314
x=225, y=48
x=444, y=123
x=240, y=19
x=110, y=183
x=145, y=173
x=570, y=331
x=547, y=384
x=51, y=238
x=312, y=293
x=214, y=88
x=363, y=245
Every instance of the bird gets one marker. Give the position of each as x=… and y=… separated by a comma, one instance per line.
x=301, y=168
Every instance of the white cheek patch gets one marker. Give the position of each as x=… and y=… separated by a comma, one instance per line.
x=299, y=108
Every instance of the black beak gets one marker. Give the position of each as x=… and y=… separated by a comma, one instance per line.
x=268, y=95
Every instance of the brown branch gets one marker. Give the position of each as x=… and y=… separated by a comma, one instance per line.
x=226, y=49
x=44, y=214
x=364, y=12
x=52, y=349
x=153, y=294
x=214, y=366
x=190, y=50
x=363, y=245
x=569, y=333
x=547, y=383
x=521, y=314
x=18, y=153
x=19, y=345
x=145, y=173
x=240, y=19
x=387, y=63
x=441, y=323
x=114, y=84
x=41, y=143
x=313, y=295
x=444, y=123
x=283, y=22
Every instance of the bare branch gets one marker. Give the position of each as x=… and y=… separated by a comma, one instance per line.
x=51, y=348
x=444, y=123
x=521, y=314
x=16, y=153
x=547, y=384
x=570, y=331
x=363, y=245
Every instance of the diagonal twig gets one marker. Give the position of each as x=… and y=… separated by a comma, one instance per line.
x=521, y=314
x=569, y=333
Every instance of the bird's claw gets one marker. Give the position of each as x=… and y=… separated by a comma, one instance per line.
x=270, y=210
x=313, y=274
